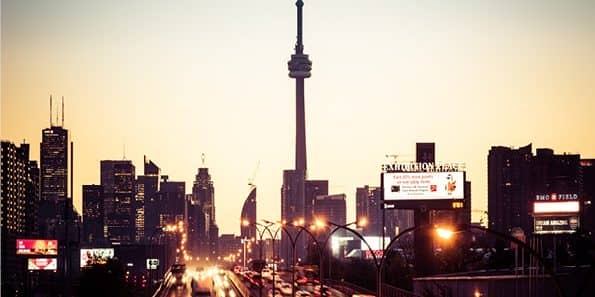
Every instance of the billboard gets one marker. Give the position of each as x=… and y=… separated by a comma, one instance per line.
x=42, y=264
x=36, y=247
x=556, y=224
x=410, y=186
x=556, y=203
x=152, y=264
x=96, y=256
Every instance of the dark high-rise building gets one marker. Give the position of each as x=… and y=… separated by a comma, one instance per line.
x=13, y=217
x=33, y=200
x=150, y=207
x=515, y=176
x=292, y=209
x=509, y=193
x=53, y=178
x=331, y=208
x=172, y=201
x=203, y=203
x=588, y=196
x=313, y=188
x=93, y=214
x=367, y=206
x=249, y=215
x=118, y=181
x=54, y=163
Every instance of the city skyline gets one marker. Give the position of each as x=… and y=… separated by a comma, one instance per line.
x=535, y=65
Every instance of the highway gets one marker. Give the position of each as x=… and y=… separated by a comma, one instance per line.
x=207, y=282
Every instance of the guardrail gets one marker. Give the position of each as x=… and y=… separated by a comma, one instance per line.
x=390, y=291
x=237, y=284
x=347, y=288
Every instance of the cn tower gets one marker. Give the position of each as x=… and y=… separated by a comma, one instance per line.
x=299, y=69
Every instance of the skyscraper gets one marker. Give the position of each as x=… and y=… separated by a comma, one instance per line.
x=203, y=197
x=515, y=176
x=53, y=178
x=150, y=186
x=118, y=181
x=249, y=214
x=367, y=205
x=313, y=189
x=293, y=195
x=13, y=217
x=33, y=199
x=331, y=208
x=172, y=201
x=93, y=214
x=509, y=194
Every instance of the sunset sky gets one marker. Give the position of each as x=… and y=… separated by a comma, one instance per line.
x=175, y=79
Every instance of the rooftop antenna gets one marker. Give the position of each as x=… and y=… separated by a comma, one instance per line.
x=62, y=111
x=56, y=118
x=51, y=124
x=124, y=151
x=202, y=157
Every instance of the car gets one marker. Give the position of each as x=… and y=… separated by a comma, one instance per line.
x=178, y=271
x=198, y=290
x=285, y=288
x=325, y=290
x=302, y=293
x=277, y=293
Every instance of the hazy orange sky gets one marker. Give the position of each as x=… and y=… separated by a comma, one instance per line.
x=174, y=79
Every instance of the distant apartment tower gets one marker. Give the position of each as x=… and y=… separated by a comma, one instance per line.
x=16, y=184
x=515, y=176
x=33, y=199
x=509, y=193
x=118, y=181
x=93, y=214
x=172, y=199
x=313, y=189
x=368, y=207
x=249, y=215
x=292, y=209
x=331, y=208
x=588, y=196
x=149, y=184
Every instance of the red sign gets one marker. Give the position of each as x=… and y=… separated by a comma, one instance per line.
x=378, y=254
x=42, y=264
x=37, y=247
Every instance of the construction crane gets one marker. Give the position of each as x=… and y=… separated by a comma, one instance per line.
x=395, y=156
x=251, y=179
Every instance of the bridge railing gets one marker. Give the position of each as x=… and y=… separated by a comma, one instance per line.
x=238, y=284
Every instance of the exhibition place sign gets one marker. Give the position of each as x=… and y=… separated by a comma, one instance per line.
x=423, y=167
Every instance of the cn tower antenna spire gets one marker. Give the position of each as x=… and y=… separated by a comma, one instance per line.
x=299, y=68
x=299, y=46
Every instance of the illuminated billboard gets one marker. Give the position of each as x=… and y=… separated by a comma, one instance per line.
x=35, y=247
x=410, y=186
x=96, y=256
x=556, y=203
x=556, y=224
x=152, y=264
x=42, y=264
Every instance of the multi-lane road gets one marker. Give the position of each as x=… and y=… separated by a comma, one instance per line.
x=192, y=282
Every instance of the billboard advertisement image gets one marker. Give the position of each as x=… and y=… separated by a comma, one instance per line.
x=152, y=264
x=42, y=264
x=35, y=247
x=95, y=256
x=408, y=186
